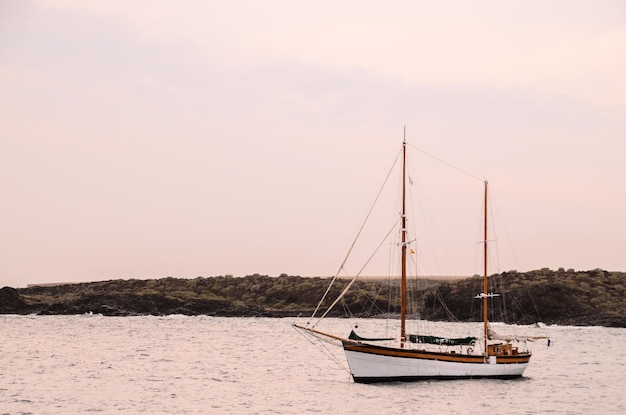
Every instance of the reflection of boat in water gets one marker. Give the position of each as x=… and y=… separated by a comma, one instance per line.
x=413, y=357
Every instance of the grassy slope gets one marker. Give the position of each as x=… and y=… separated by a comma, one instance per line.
x=594, y=297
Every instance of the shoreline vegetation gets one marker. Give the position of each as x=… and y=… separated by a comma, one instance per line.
x=564, y=297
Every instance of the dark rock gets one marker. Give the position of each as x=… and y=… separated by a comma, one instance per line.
x=11, y=301
x=553, y=297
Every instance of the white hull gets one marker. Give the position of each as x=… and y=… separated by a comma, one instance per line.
x=369, y=367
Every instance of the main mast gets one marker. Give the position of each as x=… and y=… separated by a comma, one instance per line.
x=485, y=284
x=403, y=245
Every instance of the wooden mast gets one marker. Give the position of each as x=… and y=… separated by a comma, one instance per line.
x=485, y=284
x=403, y=245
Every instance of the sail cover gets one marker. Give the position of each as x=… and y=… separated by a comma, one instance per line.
x=492, y=335
x=354, y=336
x=444, y=341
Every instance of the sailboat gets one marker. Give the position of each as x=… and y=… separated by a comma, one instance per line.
x=411, y=357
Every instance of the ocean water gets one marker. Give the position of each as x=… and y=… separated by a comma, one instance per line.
x=206, y=365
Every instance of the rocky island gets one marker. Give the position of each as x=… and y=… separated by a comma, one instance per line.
x=564, y=297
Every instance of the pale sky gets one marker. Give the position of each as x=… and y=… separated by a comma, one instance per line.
x=144, y=139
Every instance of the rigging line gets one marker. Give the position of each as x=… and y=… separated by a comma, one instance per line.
x=533, y=301
x=428, y=217
x=501, y=223
x=439, y=297
x=494, y=262
x=343, y=263
x=318, y=344
x=447, y=164
x=373, y=302
x=343, y=293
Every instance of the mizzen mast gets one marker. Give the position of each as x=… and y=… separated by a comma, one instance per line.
x=403, y=246
x=485, y=295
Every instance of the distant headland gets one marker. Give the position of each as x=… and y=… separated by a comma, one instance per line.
x=564, y=297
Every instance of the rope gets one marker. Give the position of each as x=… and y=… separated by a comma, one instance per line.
x=319, y=345
x=446, y=163
x=343, y=263
x=343, y=293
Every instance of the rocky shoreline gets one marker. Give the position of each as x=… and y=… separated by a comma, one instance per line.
x=550, y=295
